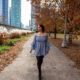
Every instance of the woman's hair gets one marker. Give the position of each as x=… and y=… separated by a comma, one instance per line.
x=43, y=28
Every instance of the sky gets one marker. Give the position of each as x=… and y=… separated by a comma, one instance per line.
x=25, y=11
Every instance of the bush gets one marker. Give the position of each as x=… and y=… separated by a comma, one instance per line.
x=15, y=35
x=24, y=33
x=9, y=43
x=3, y=37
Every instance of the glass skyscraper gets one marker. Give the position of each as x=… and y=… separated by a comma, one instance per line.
x=32, y=18
x=15, y=13
x=0, y=7
x=0, y=11
x=4, y=10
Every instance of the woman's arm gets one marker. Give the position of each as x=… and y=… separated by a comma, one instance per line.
x=33, y=43
x=47, y=44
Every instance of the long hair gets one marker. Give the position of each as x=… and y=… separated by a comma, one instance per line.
x=43, y=28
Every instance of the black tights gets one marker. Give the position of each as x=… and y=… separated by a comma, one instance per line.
x=39, y=63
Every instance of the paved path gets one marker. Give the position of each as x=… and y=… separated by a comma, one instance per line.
x=55, y=66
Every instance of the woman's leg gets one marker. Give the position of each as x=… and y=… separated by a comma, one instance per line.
x=39, y=63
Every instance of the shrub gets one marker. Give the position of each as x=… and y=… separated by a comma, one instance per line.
x=3, y=37
x=24, y=33
x=15, y=35
x=9, y=43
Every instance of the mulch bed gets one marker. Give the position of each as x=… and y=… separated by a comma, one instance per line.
x=72, y=51
x=7, y=57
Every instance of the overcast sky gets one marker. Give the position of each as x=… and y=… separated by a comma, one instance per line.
x=26, y=12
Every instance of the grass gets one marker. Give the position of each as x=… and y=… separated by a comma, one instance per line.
x=79, y=37
x=3, y=48
x=11, y=42
x=62, y=36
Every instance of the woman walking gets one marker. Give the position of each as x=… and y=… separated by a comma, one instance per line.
x=41, y=46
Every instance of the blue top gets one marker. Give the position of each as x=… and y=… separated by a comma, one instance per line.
x=41, y=45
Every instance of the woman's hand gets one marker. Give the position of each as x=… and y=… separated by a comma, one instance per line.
x=30, y=51
x=47, y=52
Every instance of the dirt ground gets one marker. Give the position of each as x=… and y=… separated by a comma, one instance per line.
x=56, y=66
x=72, y=51
x=7, y=57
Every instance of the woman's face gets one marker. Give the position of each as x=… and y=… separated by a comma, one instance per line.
x=39, y=28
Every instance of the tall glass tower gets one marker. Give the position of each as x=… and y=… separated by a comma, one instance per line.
x=32, y=18
x=16, y=13
x=0, y=7
x=4, y=10
x=0, y=11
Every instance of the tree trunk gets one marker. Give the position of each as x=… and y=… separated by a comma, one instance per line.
x=49, y=33
x=70, y=35
x=55, y=32
x=64, y=45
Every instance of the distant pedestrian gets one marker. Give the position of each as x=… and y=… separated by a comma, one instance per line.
x=41, y=46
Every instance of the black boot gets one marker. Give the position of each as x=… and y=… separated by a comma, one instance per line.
x=39, y=74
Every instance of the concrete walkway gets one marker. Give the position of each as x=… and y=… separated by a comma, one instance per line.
x=56, y=66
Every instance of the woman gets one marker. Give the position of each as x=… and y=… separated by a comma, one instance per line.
x=41, y=46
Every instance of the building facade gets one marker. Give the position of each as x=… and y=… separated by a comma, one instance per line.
x=33, y=20
x=0, y=11
x=15, y=13
x=4, y=11
x=0, y=7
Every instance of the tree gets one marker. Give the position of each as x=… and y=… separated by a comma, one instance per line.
x=72, y=11
x=53, y=13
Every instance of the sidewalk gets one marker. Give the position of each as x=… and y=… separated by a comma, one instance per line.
x=56, y=66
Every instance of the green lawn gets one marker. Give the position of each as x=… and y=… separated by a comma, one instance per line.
x=11, y=42
x=3, y=48
x=62, y=36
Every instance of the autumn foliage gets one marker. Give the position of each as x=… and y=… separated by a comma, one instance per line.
x=51, y=13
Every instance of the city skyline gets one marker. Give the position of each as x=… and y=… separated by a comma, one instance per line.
x=25, y=11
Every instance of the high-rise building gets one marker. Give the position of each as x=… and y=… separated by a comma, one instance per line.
x=4, y=10
x=9, y=11
x=0, y=11
x=0, y=7
x=32, y=18
x=16, y=13
x=9, y=16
